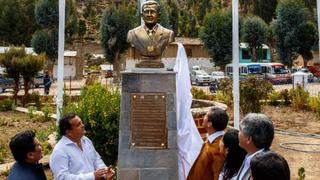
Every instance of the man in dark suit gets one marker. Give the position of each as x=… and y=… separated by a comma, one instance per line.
x=150, y=39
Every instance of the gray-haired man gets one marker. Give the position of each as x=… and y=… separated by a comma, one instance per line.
x=255, y=136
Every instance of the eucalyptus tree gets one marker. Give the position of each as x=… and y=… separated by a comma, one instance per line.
x=294, y=32
x=115, y=24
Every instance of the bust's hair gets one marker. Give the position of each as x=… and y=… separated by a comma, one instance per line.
x=152, y=2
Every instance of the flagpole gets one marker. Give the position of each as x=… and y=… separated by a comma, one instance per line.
x=318, y=17
x=235, y=61
x=59, y=100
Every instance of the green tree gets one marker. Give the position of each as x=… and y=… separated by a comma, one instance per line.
x=183, y=23
x=11, y=60
x=291, y=15
x=216, y=35
x=115, y=24
x=30, y=66
x=46, y=39
x=13, y=17
x=307, y=38
x=174, y=17
x=254, y=32
x=266, y=9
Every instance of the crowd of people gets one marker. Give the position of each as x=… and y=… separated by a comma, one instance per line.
x=227, y=154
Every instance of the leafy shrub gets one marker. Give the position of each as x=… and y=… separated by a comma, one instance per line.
x=314, y=104
x=31, y=111
x=43, y=135
x=252, y=90
x=46, y=112
x=274, y=98
x=34, y=97
x=101, y=118
x=225, y=95
x=299, y=98
x=199, y=94
x=6, y=104
x=286, y=97
x=301, y=173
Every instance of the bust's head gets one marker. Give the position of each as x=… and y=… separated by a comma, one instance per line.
x=150, y=13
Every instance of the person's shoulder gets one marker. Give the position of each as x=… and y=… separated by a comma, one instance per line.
x=16, y=171
x=85, y=138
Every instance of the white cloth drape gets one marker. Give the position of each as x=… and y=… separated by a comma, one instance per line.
x=189, y=139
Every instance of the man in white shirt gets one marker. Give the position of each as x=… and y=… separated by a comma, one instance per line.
x=256, y=135
x=74, y=157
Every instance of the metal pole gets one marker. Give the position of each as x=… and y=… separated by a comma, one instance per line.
x=318, y=17
x=235, y=61
x=60, y=58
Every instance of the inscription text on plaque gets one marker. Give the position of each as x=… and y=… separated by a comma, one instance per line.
x=148, y=120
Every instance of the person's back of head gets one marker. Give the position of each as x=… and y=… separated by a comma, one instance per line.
x=218, y=117
x=234, y=153
x=269, y=166
x=260, y=128
x=21, y=144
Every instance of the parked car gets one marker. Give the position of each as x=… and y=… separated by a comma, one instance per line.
x=216, y=76
x=5, y=83
x=199, y=77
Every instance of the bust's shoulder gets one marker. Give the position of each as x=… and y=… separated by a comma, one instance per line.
x=139, y=28
x=165, y=30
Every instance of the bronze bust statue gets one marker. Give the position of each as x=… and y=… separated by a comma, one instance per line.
x=150, y=39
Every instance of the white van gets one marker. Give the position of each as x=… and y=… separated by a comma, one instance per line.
x=276, y=73
x=245, y=69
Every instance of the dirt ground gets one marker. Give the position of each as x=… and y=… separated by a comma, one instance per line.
x=285, y=118
x=12, y=122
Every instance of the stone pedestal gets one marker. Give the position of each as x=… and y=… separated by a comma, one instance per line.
x=144, y=160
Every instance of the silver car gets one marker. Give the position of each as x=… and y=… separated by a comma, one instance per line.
x=216, y=76
x=200, y=77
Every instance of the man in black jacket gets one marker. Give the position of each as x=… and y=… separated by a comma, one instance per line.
x=27, y=152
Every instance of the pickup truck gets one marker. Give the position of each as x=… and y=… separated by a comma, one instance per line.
x=6, y=83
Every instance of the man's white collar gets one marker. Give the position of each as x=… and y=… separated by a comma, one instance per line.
x=214, y=136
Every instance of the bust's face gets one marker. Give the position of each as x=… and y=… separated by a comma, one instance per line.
x=150, y=15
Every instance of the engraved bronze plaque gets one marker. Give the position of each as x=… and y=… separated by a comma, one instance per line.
x=148, y=120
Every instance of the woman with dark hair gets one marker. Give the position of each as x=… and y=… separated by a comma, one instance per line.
x=235, y=155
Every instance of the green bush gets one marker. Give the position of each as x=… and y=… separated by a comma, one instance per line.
x=31, y=112
x=286, y=97
x=225, y=94
x=314, y=104
x=299, y=98
x=99, y=109
x=275, y=98
x=252, y=90
x=6, y=104
x=199, y=94
x=34, y=97
x=46, y=112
